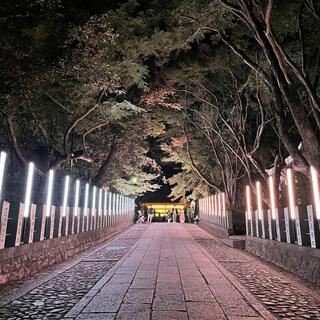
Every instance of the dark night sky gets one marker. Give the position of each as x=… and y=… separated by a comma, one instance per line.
x=162, y=194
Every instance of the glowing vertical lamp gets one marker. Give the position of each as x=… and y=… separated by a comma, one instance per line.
x=114, y=205
x=86, y=200
x=100, y=202
x=104, y=207
x=291, y=193
x=259, y=202
x=3, y=157
x=215, y=205
x=76, y=198
x=272, y=197
x=248, y=196
x=27, y=200
x=224, y=204
x=49, y=193
x=110, y=204
x=316, y=193
x=65, y=195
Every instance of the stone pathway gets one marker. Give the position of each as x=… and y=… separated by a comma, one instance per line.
x=168, y=276
x=159, y=272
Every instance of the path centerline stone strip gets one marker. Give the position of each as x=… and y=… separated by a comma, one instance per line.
x=52, y=294
x=167, y=276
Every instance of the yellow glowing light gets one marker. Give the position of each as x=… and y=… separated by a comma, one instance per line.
x=248, y=202
x=259, y=202
x=316, y=194
x=291, y=193
x=272, y=197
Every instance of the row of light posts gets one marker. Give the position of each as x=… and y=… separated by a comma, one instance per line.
x=102, y=210
x=213, y=209
x=294, y=223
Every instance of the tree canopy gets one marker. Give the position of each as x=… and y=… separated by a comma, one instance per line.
x=230, y=89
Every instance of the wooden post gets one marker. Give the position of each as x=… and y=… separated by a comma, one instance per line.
x=4, y=223
x=43, y=222
x=59, y=221
x=32, y=218
x=19, y=225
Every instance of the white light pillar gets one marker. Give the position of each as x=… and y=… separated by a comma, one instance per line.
x=85, y=221
x=3, y=157
x=48, y=220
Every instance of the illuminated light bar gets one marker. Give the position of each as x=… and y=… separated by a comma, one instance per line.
x=94, y=199
x=117, y=203
x=3, y=157
x=316, y=194
x=27, y=200
x=65, y=196
x=86, y=200
x=215, y=205
x=272, y=197
x=219, y=204
x=100, y=202
x=105, y=203
x=49, y=193
x=114, y=204
x=248, y=196
x=259, y=202
x=224, y=204
x=76, y=198
x=291, y=193
x=110, y=201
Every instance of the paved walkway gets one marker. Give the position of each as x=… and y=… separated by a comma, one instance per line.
x=161, y=271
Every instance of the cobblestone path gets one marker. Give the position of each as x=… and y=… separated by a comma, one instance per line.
x=284, y=295
x=53, y=298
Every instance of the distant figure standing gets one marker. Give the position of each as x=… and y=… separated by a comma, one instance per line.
x=141, y=217
x=169, y=216
x=182, y=216
x=174, y=214
x=196, y=219
x=150, y=214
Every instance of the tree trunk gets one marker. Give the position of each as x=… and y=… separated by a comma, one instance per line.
x=97, y=180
